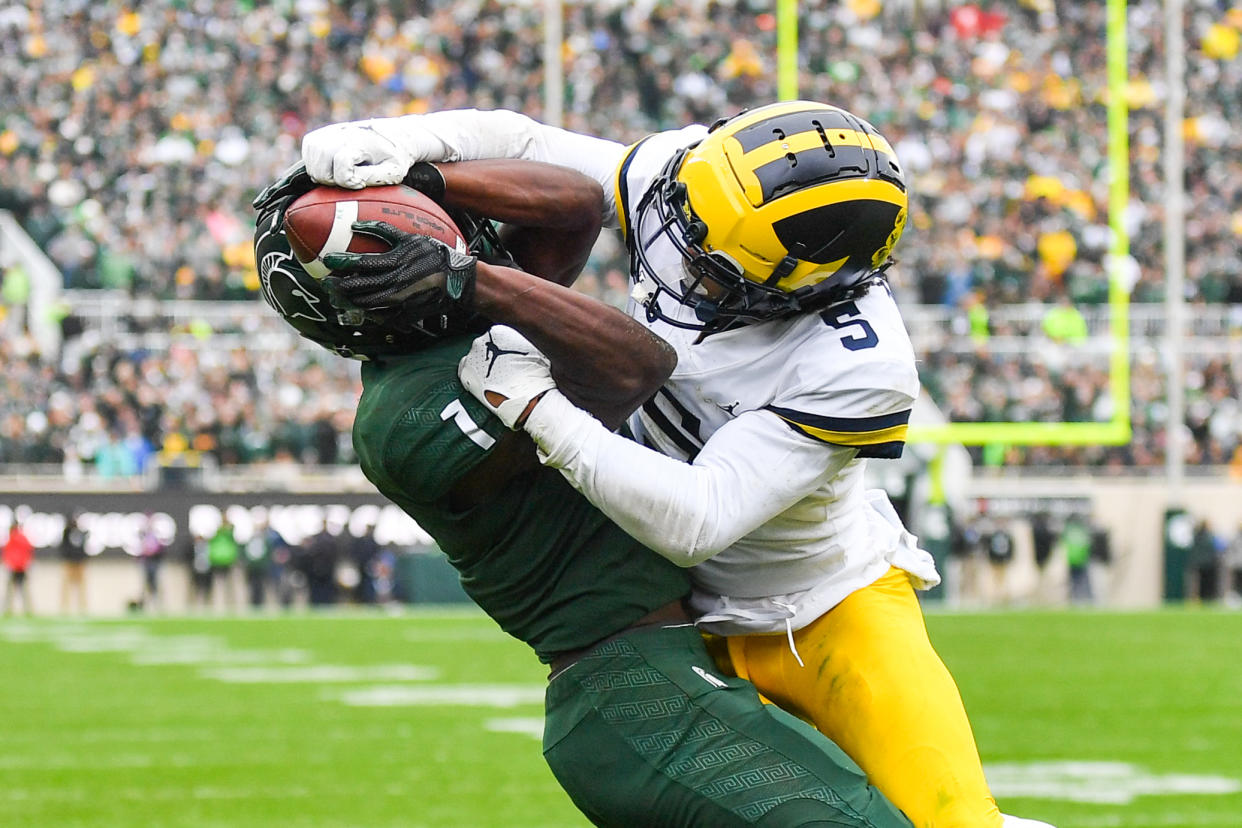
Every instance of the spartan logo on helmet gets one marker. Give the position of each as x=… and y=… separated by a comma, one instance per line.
x=282, y=287
x=305, y=303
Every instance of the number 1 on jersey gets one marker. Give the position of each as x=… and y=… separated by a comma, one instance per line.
x=457, y=412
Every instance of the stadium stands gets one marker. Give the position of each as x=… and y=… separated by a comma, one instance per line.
x=142, y=135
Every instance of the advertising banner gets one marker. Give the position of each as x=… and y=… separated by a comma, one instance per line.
x=113, y=521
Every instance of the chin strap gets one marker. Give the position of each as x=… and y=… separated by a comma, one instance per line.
x=786, y=266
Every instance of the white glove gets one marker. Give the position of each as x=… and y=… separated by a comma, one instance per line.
x=505, y=372
x=358, y=154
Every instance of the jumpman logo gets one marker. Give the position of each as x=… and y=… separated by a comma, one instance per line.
x=494, y=353
x=730, y=408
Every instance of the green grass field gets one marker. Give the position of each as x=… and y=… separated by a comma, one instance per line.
x=432, y=719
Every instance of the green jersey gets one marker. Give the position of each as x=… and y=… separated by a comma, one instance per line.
x=536, y=556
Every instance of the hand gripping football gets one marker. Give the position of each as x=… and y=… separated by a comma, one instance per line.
x=321, y=222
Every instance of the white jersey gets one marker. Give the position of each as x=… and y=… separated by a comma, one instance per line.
x=774, y=421
x=843, y=378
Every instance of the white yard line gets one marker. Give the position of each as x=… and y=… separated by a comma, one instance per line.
x=466, y=695
x=529, y=726
x=1106, y=783
x=320, y=673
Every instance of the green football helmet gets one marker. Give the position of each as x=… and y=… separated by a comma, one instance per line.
x=306, y=303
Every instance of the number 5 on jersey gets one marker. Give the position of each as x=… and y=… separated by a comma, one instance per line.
x=862, y=336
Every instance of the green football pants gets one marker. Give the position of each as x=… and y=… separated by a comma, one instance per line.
x=642, y=731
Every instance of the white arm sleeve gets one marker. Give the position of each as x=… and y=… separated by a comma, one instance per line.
x=752, y=469
x=473, y=134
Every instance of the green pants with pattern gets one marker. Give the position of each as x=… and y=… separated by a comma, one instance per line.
x=642, y=731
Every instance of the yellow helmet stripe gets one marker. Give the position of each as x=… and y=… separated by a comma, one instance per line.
x=803, y=141
x=881, y=143
x=763, y=113
x=814, y=166
x=833, y=192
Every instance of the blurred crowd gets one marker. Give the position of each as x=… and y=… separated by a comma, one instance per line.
x=143, y=132
x=979, y=387
x=121, y=413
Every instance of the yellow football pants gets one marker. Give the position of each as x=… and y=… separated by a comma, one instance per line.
x=873, y=684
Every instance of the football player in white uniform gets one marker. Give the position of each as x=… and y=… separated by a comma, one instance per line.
x=758, y=248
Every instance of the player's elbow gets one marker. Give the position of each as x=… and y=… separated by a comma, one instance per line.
x=585, y=199
x=562, y=198
x=686, y=551
x=647, y=364
x=652, y=364
x=691, y=533
x=656, y=363
x=690, y=556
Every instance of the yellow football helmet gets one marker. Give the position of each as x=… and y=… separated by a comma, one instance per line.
x=782, y=208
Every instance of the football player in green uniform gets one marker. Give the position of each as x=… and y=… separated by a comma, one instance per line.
x=758, y=248
x=640, y=729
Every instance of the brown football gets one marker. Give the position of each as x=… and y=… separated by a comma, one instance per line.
x=321, y=222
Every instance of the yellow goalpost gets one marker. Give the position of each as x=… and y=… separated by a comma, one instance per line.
x=1116, y=431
